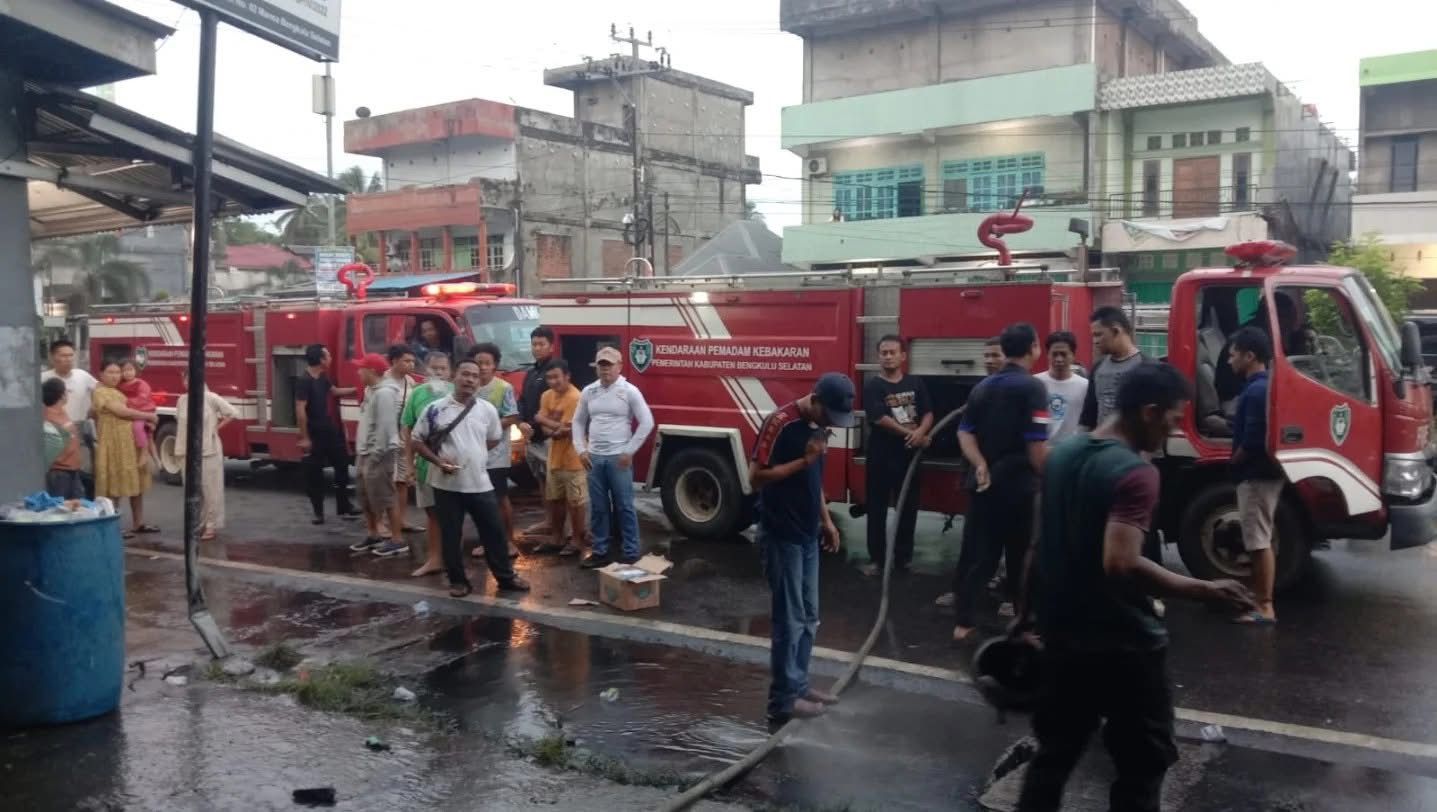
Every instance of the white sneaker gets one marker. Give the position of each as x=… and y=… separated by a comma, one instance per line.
x=946, y=599
x=1006, y=609
x=1159, y=608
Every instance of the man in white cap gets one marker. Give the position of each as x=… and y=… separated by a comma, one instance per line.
x=610, y=426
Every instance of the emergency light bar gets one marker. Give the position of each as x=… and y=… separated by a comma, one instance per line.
x=442, y=289
x=1261, y=252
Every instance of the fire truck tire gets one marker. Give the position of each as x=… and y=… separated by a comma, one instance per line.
x=170, y=468
x=701, y=495
x=1210, y=539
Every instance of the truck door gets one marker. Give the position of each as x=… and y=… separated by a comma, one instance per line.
x=1324, y=419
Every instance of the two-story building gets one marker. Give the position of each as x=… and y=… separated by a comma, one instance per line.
x=1397, y=169
x=920, y=117
x=524, y=195
x=1197, y=160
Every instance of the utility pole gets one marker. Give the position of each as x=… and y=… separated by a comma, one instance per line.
x=640, y=223
x=324, y=105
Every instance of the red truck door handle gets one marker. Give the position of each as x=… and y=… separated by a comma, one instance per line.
x=1292, y=434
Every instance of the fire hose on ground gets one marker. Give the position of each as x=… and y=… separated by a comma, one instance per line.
x=731, y=773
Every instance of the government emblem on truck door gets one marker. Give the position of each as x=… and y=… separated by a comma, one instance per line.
x=1340, y=423
x=641, y=353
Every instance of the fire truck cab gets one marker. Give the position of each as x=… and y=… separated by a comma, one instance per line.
x=1349, y=413
x=255, y=349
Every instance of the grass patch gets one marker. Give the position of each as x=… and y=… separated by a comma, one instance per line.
x=556, y=752
x=356, y=689
x=215, y=672
x=279, y=657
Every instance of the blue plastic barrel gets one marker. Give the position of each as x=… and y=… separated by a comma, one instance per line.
x=62, y=621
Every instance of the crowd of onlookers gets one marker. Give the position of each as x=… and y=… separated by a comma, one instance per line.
x=442, y=426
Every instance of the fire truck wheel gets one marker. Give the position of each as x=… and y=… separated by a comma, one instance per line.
x=701, y=495
x=1210, y=539
x=170, y=467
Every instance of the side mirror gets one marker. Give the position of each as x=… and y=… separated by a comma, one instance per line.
x=462, y=346
x=1411, y=347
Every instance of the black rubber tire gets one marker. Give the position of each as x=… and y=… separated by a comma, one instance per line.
x=726, y=519
x=1294, y=549
x=167, y=432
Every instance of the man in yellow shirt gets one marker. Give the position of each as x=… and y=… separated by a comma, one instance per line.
x=566, y=487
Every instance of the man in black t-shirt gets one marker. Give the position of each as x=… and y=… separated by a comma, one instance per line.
x=786, y=469
x=321, y=434
x=1104, y=646
x=1004, y=436
x=899, y=418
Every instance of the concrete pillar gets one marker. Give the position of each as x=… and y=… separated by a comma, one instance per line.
x=448, y=248
x=383, y=243
x=416, y=263
x=20, y=410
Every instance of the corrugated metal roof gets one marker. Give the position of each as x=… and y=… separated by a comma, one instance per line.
x=97, y=166
x=405, y=281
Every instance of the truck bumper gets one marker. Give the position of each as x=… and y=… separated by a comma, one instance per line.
x=1414, y=525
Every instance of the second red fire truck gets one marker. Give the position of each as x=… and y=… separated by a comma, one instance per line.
x=1349, y=407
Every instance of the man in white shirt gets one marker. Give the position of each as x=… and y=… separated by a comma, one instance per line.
x=1066, y=389
x=455, y=434
x=498, y=393
x=606, y=438
x=79, y=387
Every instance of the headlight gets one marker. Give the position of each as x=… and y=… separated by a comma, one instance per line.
x=1405, y=477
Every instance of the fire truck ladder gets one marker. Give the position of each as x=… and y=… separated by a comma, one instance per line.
x=956, y=273
x=261, y=372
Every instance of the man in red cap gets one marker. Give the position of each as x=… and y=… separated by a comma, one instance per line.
x=375, y=442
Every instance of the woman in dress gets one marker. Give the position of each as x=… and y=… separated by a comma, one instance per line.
x=121, y=472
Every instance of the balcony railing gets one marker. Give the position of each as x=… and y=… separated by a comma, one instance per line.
x=1185, y=203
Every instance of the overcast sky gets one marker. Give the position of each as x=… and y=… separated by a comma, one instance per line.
x=396, y=55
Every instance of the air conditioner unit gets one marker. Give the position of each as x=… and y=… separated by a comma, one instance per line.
x=817, y=166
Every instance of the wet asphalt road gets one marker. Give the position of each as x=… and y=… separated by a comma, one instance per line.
x=1353, y=653
x=676, y=713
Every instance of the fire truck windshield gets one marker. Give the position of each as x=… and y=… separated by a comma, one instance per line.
x=507, y=325
x=1371, y=310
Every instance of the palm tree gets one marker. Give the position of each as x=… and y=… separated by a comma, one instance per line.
x=103, y=277
x=309, y=224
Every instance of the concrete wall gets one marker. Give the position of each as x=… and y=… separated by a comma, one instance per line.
x=928, y=52
x=1012, y=40
x=1059, y=139
x=450, y=161
x=1308, y=161
x=1407, y=107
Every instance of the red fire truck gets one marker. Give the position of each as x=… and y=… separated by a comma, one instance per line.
x=255, y=351
x=714, y=355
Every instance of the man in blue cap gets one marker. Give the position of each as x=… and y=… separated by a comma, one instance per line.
x=786, y=470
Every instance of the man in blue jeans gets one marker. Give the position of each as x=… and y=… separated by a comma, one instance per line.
x=786, y=470
x=610, y=426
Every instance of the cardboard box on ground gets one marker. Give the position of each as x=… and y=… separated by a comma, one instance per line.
x=633, y=586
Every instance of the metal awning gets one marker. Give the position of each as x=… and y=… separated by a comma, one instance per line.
x=96, y=166
x=391, y=282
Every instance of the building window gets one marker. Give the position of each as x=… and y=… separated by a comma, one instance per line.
x=955, y=194
x=879, y=194
x=1170, y=261
x=992, y=184
x=431, y=253
x=1243, y=134
x=1155, y=142
x=1145, y=262
x=496, y=250
x=466, y=252
x=1404, y=164
x=1214, y=137
x=1241, y=181
x=1180, y=140
x=1194, y=139
x=1152, y=177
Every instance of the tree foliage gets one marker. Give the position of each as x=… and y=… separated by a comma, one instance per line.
x=102, y=277
x=309, y=224
x=1368, y=255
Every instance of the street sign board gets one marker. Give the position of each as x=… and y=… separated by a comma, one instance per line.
x=327, y=262
x=308, y=27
